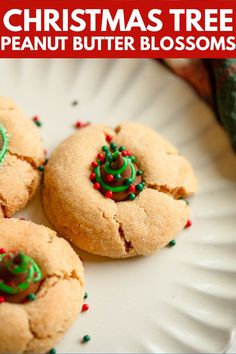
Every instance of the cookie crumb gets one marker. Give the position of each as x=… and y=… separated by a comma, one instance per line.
x=74, y=103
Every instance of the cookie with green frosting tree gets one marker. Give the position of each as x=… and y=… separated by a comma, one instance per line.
x=21, y=154
x=118, y=192
x=41, y=287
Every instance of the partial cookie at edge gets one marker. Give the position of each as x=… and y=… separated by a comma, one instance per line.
x=60, y=298
x=25, y=154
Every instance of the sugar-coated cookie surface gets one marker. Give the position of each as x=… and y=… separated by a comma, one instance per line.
x=118, y=229
x=19, y=176
x=34, y=327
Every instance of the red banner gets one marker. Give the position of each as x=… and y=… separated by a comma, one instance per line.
x=143, y=28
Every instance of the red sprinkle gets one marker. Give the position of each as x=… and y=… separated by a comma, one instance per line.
x=92, y=176
x=10, y=283
x=85, y=307
x=3, y=250
x=101, y=157
x=2, y=299
x=97, y=185
x=108, y=194
x=189, y=223
x=94, y=164
x=109, y=138
x=132, y=188
x=110, y=178
x=25, y=301
x=35, y=118
x=80, y=124
x=124, y=153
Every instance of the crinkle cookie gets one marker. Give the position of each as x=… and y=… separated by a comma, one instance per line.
x=41, y=288
x=117, y=193
x=21, y=153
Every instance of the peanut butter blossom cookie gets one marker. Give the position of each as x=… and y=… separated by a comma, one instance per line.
x=21, y=153
x=41, y=287
x=118, y=193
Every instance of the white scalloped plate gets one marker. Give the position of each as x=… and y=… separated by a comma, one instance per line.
x=182, y=299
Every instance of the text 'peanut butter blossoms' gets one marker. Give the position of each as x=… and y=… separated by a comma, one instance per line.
x=20, y=277
x=116, y=174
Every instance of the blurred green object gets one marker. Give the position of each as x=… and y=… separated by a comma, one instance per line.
x=224, y=91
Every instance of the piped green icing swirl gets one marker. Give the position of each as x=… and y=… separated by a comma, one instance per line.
x=4, y=148
x=115, y=173
x=108, y=169
x=34, y=274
